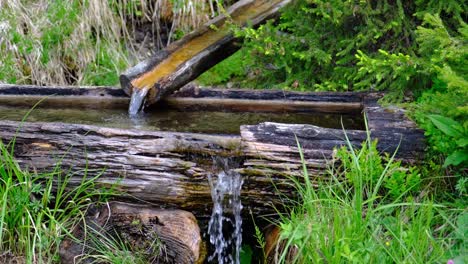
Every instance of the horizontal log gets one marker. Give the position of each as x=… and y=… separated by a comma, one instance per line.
x=166, y=168
x=271, y=149
x=171, y=169
x=191, y=97
x=195, y=98
x=161, y=236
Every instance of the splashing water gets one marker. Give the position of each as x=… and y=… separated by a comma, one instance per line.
x=225, y=192
x=137, y=101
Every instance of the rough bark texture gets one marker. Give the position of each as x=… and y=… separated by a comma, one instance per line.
x=159, y=236
x=170, y=169
x=192, y=67
x=167, y=168
x=271, y=151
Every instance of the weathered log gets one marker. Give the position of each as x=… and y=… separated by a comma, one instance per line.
x=271, y=149
x=162, y=236
x=171, y=169
x=167, y=168
x=186, y=59
x=190, y=97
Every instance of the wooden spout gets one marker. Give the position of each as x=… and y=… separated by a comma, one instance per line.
x=184, y=60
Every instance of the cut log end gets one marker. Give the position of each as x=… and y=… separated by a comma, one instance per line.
x=165, y=236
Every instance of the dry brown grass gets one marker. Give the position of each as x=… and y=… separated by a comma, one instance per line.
x=90, y=42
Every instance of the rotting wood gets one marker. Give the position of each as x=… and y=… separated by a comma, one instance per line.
x=160, y=236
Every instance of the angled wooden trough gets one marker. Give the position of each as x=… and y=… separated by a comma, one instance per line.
x=170, y=169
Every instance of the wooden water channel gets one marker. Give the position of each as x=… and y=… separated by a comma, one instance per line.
x=170, y=169
x=161, y=160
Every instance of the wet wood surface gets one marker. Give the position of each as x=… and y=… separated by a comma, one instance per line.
x=187, y=58
x=171, y=169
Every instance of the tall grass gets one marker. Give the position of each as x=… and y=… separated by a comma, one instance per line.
x=349, y=219
x=37, y=210
x=88, y=42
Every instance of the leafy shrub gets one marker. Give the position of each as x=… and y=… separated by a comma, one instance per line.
x=414, y=50
x=457, y=133
x=349, y=45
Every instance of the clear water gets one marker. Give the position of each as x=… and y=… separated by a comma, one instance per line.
x=213, y=122
x=137, y=101
x=225, y=225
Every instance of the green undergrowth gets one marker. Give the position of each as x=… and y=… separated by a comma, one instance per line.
x=415, y=51
x=359, y=215
x=232, y=69
x=39, y=209
x=105, y=248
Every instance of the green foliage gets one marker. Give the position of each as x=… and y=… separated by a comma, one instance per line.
x=315, y=42
x=246, y=255
x=457, y=133
x=349, y=222
x=360, y=45
x=103, y=247
x=59, y=43
x=416, y=50
x=234, y=67
x=370, y=167
x=105, y=70
x=37, y=210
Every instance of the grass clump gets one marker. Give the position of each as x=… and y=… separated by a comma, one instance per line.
x=357, y=217
x=89, y=42
x=106, y=248
x=38, y=210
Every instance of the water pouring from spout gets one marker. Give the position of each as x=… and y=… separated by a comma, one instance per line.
x=137, y=101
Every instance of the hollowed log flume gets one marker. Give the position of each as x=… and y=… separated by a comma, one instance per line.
x=187, y=58
x=170, y=169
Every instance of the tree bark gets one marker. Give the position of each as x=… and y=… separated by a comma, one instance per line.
x=171, y=169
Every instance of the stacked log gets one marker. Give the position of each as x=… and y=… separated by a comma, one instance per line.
x=170, y=169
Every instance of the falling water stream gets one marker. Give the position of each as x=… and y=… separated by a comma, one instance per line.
x=225, y=225
x=137, y=101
